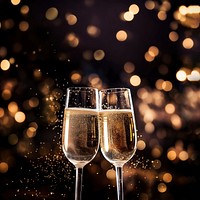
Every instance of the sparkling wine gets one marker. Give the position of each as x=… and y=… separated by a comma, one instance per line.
x=117, y=135
x=80, y=135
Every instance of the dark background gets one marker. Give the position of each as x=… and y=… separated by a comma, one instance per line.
x=42, y=65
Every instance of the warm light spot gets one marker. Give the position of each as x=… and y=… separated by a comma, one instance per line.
x=156, y=152
x=13, y=107
x=71, y=18
x=110, y=174
x=159, y=83
x=153, y=51
x=3, y=51
x=171, y=155
x=149, y=127
x=5, y=65
x=128, y=16
x=72, y=40
x=76, y=77
x=129, y=67
x=176, y=121
x=121, y=35
x=141, y=145
x=181, y=75
x=167, y=86
x=20, y=117
x=167, y=177
x=162, y=187
x=183, y=155
x=31, y=132
x=99, y=54
x=33, y=102
x=135, y=80
x=149, y=4
x=15, y=2
x=148, y=57
x=6, y=94
x=194, y=76
x=13, y=139
x=188, y=43
x=162, y=15
x=2, y=112
x=134, y=9
x=12, y=60
x=51, y=13
x=37, y=73
x=24, y=9
x=93, y=31
x=3, y=167
x=173, y=36
x=23, y=26
x=170, y=108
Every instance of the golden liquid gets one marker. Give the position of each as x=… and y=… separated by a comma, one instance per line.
x=80, y=135
x=117, y=135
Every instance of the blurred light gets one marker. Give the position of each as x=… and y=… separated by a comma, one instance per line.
x=51, y=13
x=173, y=36
x=11, y=60
x=72, y=40
x=87, y=55
x=6, y=94
x=20, y=117
x=148, y=57
x=15, y=2
x=71, y=18
x=2, y=112
x=76, y=77
x=170, y=108
x=121, y=35
x=5, y=65
x=149, y=127
x=167, y=86
x=3, y=167
x=176, y=121
x=159, y=83
x=129, y=67
x=194, y=76
x=167, y=177
x=135, y=80
x=128, y=16
x=37, y=73
x=31, y=132
x=156, y=152
x=150, y=5
x=93, y=31
x=153, y=51
x=134, y=9
x=33, y=102
x=3, y=52
x=171, y=154
x=99, y=54
x=24, y=10
x=13, y=107
x=183, y=155
x=162, y=187
x=13, y=139
x=23, y=26
x=181, y=75
x=162, y=15
x=188, y=43
x=110, y=174
x=141, y=145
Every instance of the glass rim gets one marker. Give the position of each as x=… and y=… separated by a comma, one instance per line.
x=81, y=88
x=115, y=89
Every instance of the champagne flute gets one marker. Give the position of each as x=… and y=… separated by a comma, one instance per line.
x=118, y=137
x=80, y=140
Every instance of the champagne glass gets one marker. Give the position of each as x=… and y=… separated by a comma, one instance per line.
x=118, y=137
x=80, y=140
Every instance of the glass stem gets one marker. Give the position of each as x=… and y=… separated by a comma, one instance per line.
x=78, y=186
x=119, y=180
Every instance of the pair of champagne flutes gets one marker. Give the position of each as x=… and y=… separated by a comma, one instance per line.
x=93, y=118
